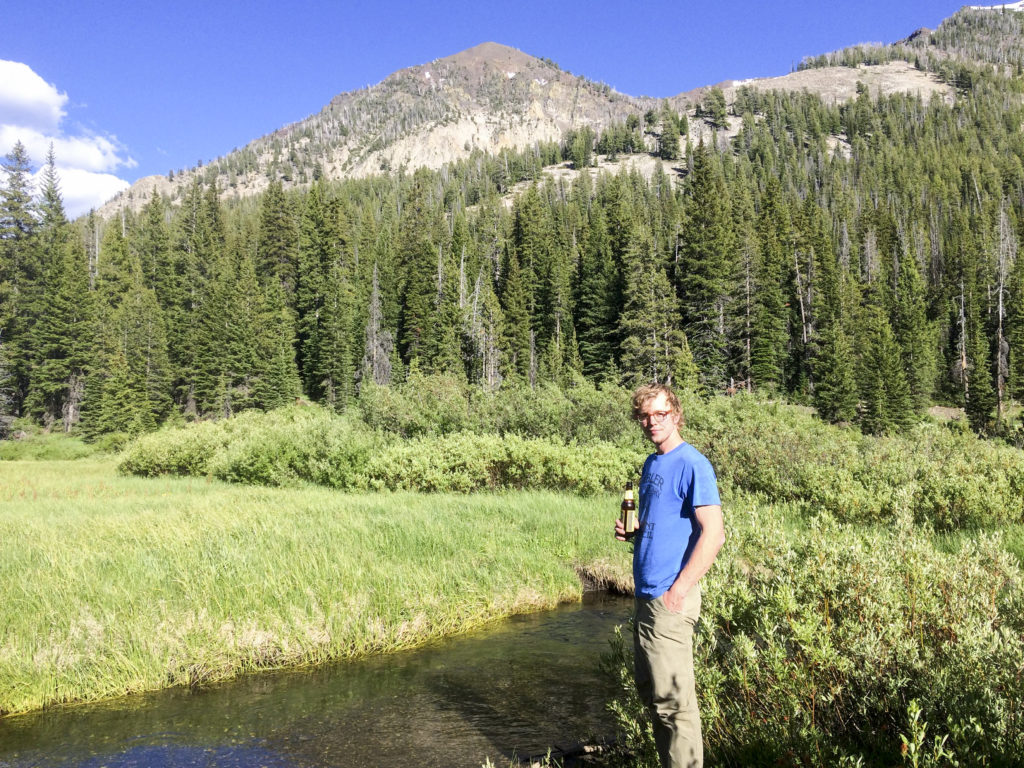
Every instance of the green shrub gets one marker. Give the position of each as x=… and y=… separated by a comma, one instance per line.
x=468, y=462
x=112, y=442
x=813, y=645
x=178, y=451
x=554, y=438
x=442, y=405
x=783, y=452
x=423, y=405
x=296, y=444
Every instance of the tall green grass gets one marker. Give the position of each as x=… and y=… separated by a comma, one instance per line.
x=46, y=447
x=111, y=585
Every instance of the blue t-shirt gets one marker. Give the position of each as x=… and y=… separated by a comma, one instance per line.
x=671, y=486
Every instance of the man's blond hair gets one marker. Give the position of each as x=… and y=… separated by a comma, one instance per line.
x=648, y=392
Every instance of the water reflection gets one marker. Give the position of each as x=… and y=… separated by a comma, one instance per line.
x=529, y=683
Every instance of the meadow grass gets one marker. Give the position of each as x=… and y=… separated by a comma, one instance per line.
x=113, y=585
x=48, y=447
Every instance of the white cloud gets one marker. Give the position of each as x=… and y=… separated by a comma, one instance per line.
x=86, y=152
x=32, y=112
x=26, y=99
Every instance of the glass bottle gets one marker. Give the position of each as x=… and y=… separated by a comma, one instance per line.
x=629, y=521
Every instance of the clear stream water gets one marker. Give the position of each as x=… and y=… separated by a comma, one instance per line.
x=519, y=687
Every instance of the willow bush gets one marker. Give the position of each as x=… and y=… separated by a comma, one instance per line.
x=435, y=433
x=439, y=405
x=942, y=476
x=308, y=444
x=818, y=648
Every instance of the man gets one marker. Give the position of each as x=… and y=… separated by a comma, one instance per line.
x=679, y=537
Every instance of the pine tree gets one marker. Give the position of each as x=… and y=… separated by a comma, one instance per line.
x=20, y=278
x=884, y=392
x=198, y=248
x=532, y=239
x=277, y=377
x=444, y=353
x=235, y=344
x=556, y=334
x=981, y=397
x=811, y=265
x=769, y=326
x=580, y=146
x=316, y=254
x=701, y=270
x=277, y=243
x=53, y=232
x=1015, y=330
x=517, y=336
x=668, y=142
x=212, y=231
x=420, y=321
x=742, y=271
x=968, y=349
x=132, y=387
x=335, y=356
x=379, y=343
x=45, y=344
x=1006, y=259
x=215, y=341
x=835, y=390
x=826, y=302
x=714, y=108
x=60, y=336
x=117, y=405
x=153, y=245
x=685, y=372
x=914, y=333
x=596, y=313
x=654, y=347
x=419, y=254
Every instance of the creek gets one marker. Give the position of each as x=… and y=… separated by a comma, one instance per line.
x=515, y=688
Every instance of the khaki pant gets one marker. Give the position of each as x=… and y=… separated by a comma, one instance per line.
x=663, y=645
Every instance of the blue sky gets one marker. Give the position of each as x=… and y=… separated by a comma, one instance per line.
x=129, y=89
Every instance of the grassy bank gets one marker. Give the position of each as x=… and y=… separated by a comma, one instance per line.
x=817, y=641
x=113, y=584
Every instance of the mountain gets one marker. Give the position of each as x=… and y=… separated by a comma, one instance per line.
x=489, y=97
x=493, y=97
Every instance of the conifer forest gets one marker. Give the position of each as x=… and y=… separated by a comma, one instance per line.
x=861, y=258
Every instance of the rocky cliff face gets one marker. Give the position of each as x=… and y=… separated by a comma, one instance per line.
x=490, y=97
x=487, y=98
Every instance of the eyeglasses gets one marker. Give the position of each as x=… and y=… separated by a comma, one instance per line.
x=654, y=417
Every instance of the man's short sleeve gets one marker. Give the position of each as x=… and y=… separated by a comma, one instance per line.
x=704, y=484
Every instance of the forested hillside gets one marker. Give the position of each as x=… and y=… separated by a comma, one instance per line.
x=861, y=258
